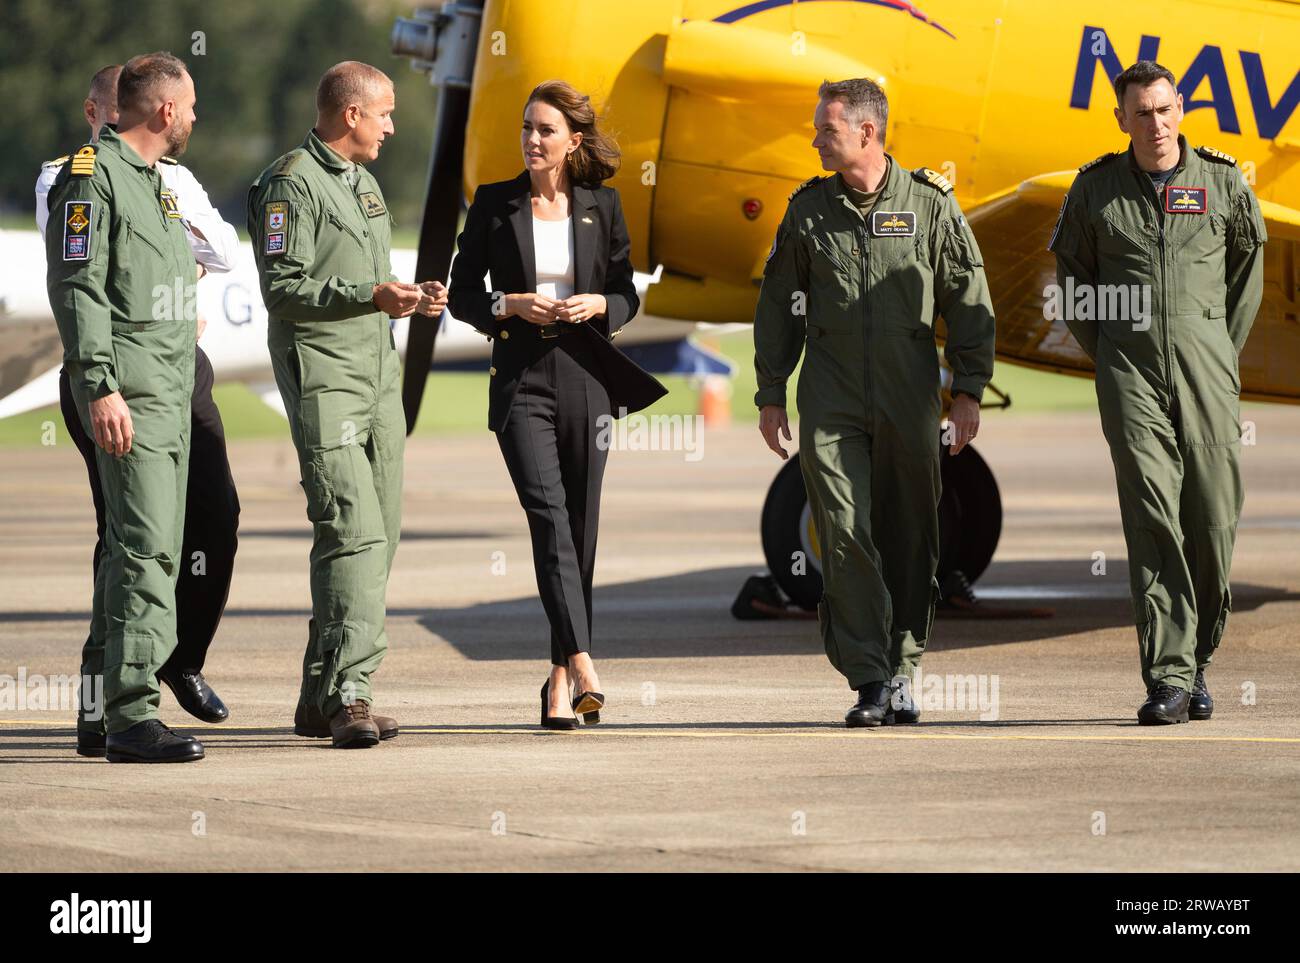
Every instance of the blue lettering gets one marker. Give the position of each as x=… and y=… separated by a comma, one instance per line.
x=1208, y=65
x=1269, y=118
x=1096, y=48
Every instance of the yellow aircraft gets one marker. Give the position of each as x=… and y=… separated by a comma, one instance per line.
x=712, y=103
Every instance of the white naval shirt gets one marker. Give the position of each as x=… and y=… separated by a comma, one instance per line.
x=214, y=242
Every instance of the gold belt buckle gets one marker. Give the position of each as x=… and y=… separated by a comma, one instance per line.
x=551, y=330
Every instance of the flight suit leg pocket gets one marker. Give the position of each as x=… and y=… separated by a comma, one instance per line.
x=322, y=507
x=147, y=498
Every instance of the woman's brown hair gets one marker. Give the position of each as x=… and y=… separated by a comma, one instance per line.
x=597, y=157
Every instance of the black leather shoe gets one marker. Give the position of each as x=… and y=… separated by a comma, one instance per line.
x=873, y=708
x=905, y=708
x=1166, y=704
x=90, y=743
x=151, y=741
x=196, y=696
x=1201, y=705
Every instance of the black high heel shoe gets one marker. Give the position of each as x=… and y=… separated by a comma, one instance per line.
x=554, y=722
x=588, y=706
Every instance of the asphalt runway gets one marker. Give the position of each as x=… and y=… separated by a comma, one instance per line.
x=722, y=746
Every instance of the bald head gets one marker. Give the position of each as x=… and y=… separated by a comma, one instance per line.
x=354, y=107
x=100, y=107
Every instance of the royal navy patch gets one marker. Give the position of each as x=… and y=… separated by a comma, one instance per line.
x=276, y=226
x=77, y=226
x=83, y=162
x=372, y=204
x=893, y=223
x=1185, y=200
x=934, y=179
x=1218, y=156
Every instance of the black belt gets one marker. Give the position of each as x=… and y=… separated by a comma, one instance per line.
x=555, y=329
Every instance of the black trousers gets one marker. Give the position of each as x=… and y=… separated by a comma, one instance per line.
x=211, y=519
x=549, y=443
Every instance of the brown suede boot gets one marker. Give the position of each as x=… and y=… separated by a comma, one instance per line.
x=353, y=728
x=308, y=721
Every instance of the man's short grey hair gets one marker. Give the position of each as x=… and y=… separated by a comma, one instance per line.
x=103, y=87
x=347, y=83
x=863, y=100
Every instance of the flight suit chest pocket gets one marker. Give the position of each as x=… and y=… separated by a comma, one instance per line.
x=135, y=270
x=345, y=229
x=1124, y=247
x=1200, y=253
x=832, y=272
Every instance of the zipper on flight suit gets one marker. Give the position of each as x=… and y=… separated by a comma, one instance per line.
x=1153, y=198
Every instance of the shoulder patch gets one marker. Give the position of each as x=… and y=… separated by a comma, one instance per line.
x=934, y=179
x=1099, y=160
x=83, y=162
x=286, y=164
x=78, y=223
x=168, y=160
x=1218, y=156
x=803, y=187
x=57, y=162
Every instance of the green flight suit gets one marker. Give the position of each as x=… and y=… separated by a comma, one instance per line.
x=863, y=296
x=121, y=282
x=322, y=244
x=1168, y=387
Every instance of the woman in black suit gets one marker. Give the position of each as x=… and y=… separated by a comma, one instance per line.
x=554, y=242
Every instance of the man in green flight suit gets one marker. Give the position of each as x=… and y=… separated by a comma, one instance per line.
x=321, y=233
x=1181, y=231
x=121, y=280
x=863, y=263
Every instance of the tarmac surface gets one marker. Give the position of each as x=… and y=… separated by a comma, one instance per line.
x=722, y=747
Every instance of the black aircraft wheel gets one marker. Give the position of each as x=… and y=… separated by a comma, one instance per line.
x=970, y=524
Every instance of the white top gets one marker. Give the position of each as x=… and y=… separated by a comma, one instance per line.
x=553, y=249
x=215, y=243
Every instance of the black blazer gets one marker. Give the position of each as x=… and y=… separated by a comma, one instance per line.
x=498, y=241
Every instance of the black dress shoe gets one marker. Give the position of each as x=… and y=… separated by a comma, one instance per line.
x=554, y=722
x=905, y=708
x=1166, y=704
x=873, y=708
x=196, y=696
x=151, y=741
x=1201, y=705
x=90, y=743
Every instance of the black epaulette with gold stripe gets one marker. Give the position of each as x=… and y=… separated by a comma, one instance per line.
x=1100, y=160
x=83, y=162
x=934, y=179
x=1218, y=156
x=168, y=160
x=57, y=162
x=803, y=187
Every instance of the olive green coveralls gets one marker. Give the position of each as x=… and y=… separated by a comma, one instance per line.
x=322, y=243
x=863, y=295
x=121, y=281
x=1168, y=386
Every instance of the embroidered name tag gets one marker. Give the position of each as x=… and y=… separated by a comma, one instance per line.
x=1185, y=200
x=77, y=226
x=170, y=205
x=372, y=204
x=893, y=223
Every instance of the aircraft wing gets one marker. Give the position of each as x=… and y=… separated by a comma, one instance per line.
x=1012, y=227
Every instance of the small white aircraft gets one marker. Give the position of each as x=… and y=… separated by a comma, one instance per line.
x=235, y=336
